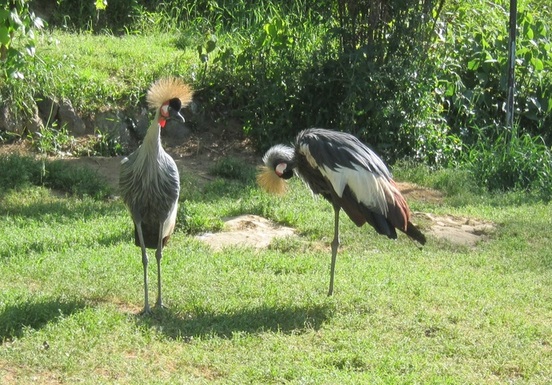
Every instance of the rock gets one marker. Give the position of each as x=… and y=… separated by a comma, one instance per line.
x=176, y=131
x=7, y=121
x=48, y=109
x=114, y=125
x=70, y=120
x=34, y=123
x=108, y=123
x=142, y=125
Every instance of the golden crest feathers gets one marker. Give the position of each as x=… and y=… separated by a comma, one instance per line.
x=168, y=88
x=270, y=182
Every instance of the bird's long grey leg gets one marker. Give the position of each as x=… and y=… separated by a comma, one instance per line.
x=158, y=256
x=145, y=264
x=335, y=245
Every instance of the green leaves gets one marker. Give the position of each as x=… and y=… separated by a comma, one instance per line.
x=16, y=26
x=4, y=36
x=101, y=5
x=276, y=35
x=207, y=48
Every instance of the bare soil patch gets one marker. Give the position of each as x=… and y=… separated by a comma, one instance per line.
x=456, y=230
x=246, y=230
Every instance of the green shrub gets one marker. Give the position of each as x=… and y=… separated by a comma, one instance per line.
x=20, y=171
x=473, y=78
x=522, y=163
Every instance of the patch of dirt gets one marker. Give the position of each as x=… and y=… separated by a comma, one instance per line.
x=456, y=230
x=200, y=151
x=246, y=230
x=413, y=192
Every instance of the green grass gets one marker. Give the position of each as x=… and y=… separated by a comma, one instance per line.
x=71, y=289
x=102, y=72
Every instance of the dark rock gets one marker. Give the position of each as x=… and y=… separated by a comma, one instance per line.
x=70, y=120
x=176, y=131
x=142, y=125
x=34, y=123
x=48, y=109
x=7, y=122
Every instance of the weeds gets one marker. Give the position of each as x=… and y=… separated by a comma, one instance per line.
x=233, y=168
x=523, y=163
x=22, y=171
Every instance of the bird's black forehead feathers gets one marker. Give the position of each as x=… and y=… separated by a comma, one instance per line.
x=335, y=149
x=175, y=104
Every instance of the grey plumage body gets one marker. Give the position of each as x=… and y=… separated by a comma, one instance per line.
x=151, y=193
x=349, y=175
x=150, y=186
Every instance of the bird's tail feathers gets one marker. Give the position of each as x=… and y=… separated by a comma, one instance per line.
x=168, y=88
x=415, y=233
x=270, y=182
x=151, y=236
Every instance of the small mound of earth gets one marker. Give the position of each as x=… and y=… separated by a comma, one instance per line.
x=246, y=230
x=456, y=230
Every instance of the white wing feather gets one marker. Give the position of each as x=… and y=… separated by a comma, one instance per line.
x=369, y=188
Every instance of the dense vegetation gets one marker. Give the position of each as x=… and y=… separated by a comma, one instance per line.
x=424, y=81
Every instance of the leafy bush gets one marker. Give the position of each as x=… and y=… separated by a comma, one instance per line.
x=473, y=76
x=294, y=73
x=17, y=24
x=508, y=163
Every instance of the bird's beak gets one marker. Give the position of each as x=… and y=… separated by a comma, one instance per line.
x=176, y=115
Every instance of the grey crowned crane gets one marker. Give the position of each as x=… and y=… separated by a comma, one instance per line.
x=349, y=175
x=149, y=181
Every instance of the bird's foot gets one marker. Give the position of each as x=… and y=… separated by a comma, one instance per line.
x=145, y=311
x=159, y=304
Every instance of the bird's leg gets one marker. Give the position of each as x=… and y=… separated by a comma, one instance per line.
x=158, y=256
x=145, y=264
x=335, y=245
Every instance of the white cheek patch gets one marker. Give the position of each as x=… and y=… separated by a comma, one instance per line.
x=280, y=169
x=165, y=110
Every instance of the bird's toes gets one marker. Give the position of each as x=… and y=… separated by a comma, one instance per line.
x=145, y=311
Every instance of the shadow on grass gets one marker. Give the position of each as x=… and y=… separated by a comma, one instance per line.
x=35, y=314
x=61, y=209
x=289, y=320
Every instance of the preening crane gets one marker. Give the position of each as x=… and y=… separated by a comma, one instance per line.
x=349, y=175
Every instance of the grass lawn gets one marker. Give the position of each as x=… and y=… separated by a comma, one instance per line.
x=71, y=290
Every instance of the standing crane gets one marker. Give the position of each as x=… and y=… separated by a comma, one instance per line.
x=149, y=180
x=347, y=174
